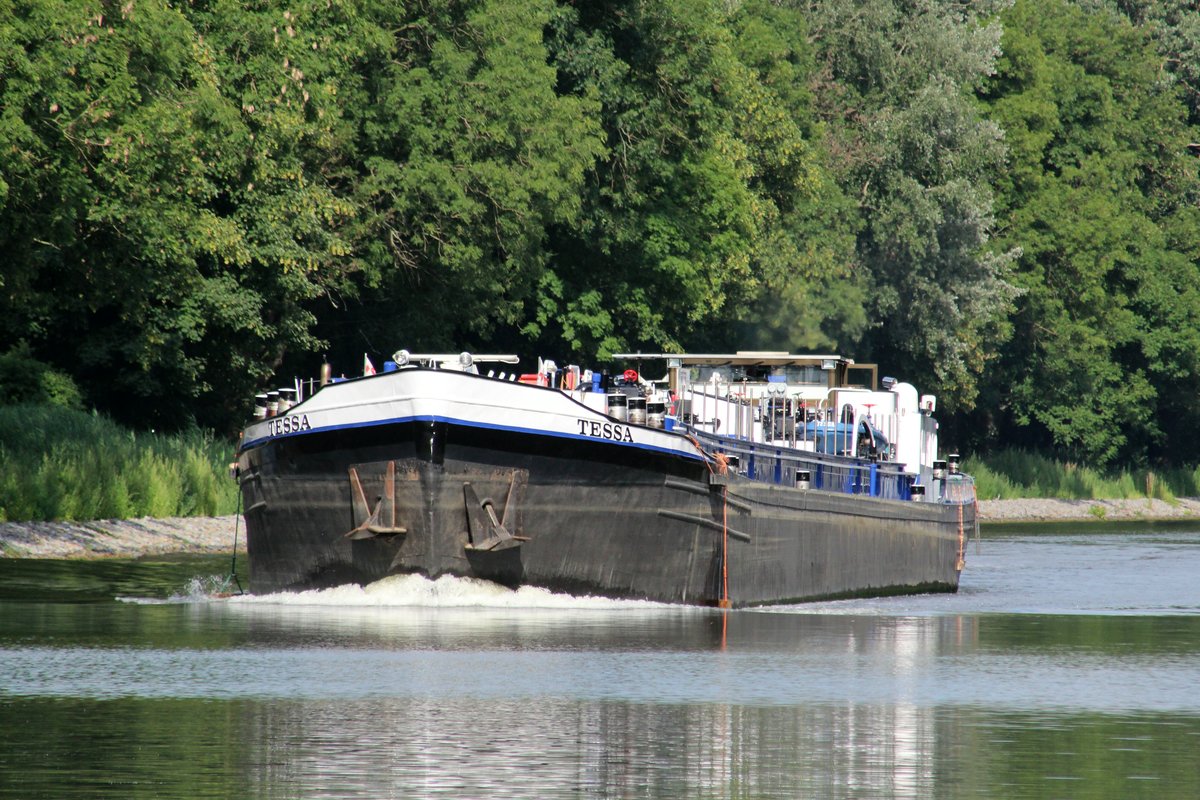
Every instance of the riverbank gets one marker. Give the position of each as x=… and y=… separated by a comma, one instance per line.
x=146, y=536
x=1054, y=510
x=129, y=538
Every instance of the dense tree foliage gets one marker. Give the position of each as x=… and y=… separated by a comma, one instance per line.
x=808, y=293
x=996, y=200
x=1174, y=27
x=896, y=83
x=1100, y=197
x=164, y=218
x=466, y=155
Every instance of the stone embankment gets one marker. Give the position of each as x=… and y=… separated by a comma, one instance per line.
x=120, y=538
x=1047, y=510
x=145, y=536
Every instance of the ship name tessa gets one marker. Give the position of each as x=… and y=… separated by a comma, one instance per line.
x=605, y=430
x=288, y=424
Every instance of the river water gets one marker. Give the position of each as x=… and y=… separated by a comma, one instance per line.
x=1068, y=665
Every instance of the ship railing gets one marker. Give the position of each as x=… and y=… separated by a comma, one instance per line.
x=837, y=473
x=788, y=467
x=776, y=419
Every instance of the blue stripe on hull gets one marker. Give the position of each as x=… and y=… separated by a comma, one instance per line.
x=469, y=424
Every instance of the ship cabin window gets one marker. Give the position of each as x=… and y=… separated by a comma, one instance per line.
x=801, y=375
x=757, y=373
x=704, y=374
x=861, y=376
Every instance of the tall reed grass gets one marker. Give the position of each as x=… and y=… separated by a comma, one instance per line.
x=1017, y=473
x=62, y=464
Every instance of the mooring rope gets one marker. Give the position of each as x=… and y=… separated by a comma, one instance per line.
x=722, y=468
x=233, y=560
x=708, y=459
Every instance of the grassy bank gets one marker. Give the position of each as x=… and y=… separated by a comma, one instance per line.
x=61, y=464
x=1011, y=474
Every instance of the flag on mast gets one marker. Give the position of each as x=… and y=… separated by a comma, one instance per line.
x=368, y=367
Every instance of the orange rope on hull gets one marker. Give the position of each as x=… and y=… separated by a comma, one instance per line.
x=725, y=547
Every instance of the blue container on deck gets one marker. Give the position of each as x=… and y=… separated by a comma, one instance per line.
x=390, y=366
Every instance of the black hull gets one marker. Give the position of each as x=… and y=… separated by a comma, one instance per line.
x=579, y=517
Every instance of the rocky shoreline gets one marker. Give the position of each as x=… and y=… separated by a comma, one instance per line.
x=130, y=538
x=1052, y=510
x=145, y=536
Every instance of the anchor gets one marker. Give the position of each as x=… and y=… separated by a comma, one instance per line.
x=380, y=521
x=486, y=532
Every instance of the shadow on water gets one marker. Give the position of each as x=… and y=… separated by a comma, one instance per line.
x=1084, y=527
x=106, y=579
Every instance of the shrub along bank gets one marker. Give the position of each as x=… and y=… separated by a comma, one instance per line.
x=60, y=463
x=1012, y=474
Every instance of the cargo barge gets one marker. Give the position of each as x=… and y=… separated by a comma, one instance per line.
x=733, y=480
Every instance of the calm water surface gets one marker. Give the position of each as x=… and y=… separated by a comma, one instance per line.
x=1068, y=665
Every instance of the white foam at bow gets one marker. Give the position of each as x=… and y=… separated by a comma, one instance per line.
x=445, y=592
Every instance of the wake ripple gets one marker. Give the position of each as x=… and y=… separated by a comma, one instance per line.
x=444, y=592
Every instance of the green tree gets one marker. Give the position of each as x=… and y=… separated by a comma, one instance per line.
x=164, y=235
x=1174, y=27
x=1107, y=328
x=894, y=86
x=710, y=220
x=294, y=74
x=465, y=155
x=669, y=217
x=808, y=290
